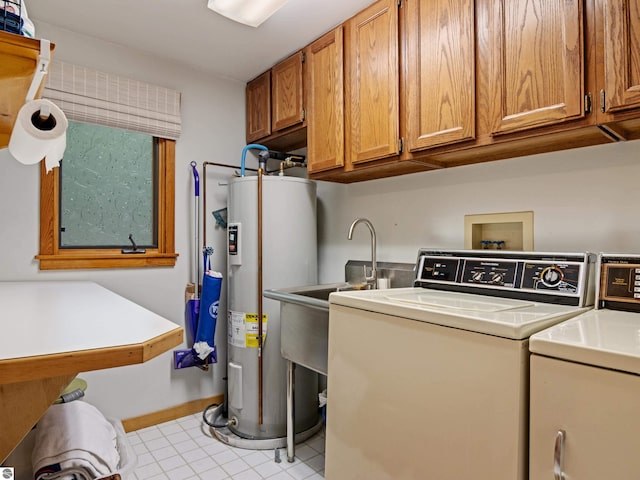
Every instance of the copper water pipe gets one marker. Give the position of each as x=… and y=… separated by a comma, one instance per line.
x=204, y=194
x=204, y=243
x=260, y=173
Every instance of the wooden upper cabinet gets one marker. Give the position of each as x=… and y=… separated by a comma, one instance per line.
x=372, y=83
x=440, y=41
x=538, y=73
x=258, y=108
x=620, y=37
x=275, y=103
x=324, y=86
x=287, y=93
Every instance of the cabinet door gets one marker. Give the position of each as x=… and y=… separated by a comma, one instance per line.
x=441, y=72
x=538, y=63
x=286, y=92
x=621, y=38
x=597, y=409
x=258, y=108
x=373, y=83
x=324, y=82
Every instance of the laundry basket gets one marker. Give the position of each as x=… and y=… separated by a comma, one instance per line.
x=14, y=18
x=10, y=16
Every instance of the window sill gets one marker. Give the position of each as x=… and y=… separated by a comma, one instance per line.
x=72, y=261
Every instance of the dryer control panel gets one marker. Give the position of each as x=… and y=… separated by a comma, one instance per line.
x=545, y=277
x=619, y=282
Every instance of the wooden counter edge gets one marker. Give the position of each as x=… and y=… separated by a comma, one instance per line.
x=54, y=365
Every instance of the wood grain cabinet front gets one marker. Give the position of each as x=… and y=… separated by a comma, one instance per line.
x=258, y=99
x=538, y=59
x=275, y=106
x=372, y=83
x=618, y=42
x=440, y=101
x=287, y=107
x=406, y=86
x=324, y=81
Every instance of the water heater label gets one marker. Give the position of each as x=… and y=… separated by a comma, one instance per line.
x=251, y=325
x=235, y=329
x=242, y=329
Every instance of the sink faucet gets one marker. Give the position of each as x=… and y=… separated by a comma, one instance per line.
x=372, y=280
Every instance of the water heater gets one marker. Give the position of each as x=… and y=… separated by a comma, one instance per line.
x=288, y=236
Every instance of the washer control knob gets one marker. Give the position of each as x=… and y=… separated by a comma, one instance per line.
x=551, y=276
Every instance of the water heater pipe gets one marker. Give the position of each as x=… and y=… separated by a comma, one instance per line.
x=260, y=174
x=204, y=193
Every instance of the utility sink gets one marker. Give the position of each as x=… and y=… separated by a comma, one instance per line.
x=304, y=322
x=304, y=311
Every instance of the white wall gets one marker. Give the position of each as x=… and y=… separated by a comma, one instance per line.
x=582, y=199
x=213, y=130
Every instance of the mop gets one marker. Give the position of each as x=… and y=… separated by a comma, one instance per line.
x=204, y=344
x=201, y=312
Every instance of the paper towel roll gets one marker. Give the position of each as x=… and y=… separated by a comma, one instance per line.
x=34, y=138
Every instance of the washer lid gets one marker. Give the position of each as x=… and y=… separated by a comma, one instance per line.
x=602, y=338
x=503, y=317
x=474, y=303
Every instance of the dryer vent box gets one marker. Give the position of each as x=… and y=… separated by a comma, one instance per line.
x=506, y=231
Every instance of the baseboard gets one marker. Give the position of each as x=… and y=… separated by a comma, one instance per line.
x=168, y=414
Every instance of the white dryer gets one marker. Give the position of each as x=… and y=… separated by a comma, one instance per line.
x=431, y=382
x=585, y=384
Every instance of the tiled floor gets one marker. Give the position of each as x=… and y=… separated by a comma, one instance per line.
x=184, y=449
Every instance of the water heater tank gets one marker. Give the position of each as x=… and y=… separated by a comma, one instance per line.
x=289, y=258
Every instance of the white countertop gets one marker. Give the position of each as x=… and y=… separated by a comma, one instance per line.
x=51, y=331
x=43, y=318
x=603, y=338
x=508, y=318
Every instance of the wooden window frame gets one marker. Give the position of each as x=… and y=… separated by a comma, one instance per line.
x=52, y=257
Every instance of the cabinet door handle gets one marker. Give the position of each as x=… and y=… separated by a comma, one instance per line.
x=558, y=456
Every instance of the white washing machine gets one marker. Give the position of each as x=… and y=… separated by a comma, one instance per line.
x=585, y=384
x=431, y=382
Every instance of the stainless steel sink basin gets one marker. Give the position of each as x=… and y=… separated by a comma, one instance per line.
x=304, y=322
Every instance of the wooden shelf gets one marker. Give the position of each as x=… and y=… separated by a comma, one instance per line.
x=18, y=62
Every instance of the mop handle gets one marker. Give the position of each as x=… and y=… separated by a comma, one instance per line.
x=196, y=178
x=196, y=185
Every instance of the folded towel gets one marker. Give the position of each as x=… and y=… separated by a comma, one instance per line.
x=74, y=439
x=60, y=472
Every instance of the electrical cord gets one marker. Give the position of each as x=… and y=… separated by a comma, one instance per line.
x=215, y=416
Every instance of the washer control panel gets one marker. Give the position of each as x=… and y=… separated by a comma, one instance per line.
x=546, y=277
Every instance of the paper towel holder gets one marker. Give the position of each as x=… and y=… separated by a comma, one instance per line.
x=43, y=66
x=43, y=120
x=45, y=112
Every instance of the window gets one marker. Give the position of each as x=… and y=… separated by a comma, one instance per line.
x=117, y=178
x=57, y=256
x=108, y=184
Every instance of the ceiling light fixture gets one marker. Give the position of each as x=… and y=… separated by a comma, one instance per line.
x=247, y=12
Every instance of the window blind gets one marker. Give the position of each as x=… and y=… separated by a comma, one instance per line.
x=91, y=96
